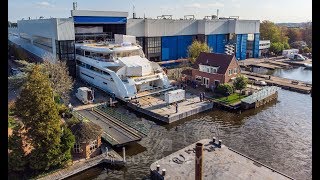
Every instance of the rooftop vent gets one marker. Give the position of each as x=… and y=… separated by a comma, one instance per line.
x=164, y=17
x=191, y=17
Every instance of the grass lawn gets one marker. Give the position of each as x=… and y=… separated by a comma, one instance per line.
x=231, y=99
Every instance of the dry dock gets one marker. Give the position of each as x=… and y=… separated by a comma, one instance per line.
x=284, y=83
x=155, y=107
x=114, y=131
x=218, y=162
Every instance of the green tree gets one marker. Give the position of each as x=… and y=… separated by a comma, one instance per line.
x=39, y=115
x=286, y=46
x=16, y=156
x=294, y=34
x=274, y=33
x=225, y=89
x=240, y=83
x=270, y=31
x=67, y=142
x=195, y=48
x=306, y=50
x=276, y=47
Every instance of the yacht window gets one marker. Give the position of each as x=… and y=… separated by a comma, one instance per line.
x=88, y=66
x=87, y=53
x=107, y=56
x=105, y=73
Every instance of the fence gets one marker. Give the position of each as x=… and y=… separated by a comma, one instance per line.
x=262, y=94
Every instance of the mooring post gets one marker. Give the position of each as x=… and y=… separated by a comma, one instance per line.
x=199, y=160
x=124, y=153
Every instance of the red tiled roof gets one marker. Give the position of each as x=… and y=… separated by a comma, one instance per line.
x=214, y=59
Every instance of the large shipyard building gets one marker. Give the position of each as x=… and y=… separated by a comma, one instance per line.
x=162, y=39
x=168, y=39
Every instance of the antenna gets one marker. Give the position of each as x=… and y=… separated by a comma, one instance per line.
x=75, y=5
x=134, y=13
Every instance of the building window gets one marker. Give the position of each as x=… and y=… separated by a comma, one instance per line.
x=93, y=145
x=77, y=148
x=65, y=50
x=235, y=71
x=154, y=45
x=198, y=78
x=230, y=71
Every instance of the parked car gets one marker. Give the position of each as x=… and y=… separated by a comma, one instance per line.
x=262, y=83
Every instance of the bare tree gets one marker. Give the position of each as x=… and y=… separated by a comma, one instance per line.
x=57, y=72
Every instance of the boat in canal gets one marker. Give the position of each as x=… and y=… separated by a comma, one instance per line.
x=120, y=68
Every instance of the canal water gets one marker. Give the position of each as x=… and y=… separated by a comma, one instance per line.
x=278, y=135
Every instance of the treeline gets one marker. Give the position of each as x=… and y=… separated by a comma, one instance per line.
x=282, y=37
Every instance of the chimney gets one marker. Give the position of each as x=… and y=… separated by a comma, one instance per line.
x=74, y=5
x=199, y=160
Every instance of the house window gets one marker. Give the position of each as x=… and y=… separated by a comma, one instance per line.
x=77, y=148
x=93, y=145
x=235, y=71
x=230, y=71
x=198, y=78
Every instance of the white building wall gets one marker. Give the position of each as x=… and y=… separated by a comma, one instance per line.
x=65, y=29
x=136, y=27
x=168, y=27
x=39, y=27
x=216, y=26
x=247, y=26
x=98, y=13
x=53, y=29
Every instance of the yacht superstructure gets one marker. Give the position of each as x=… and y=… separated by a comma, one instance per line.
x=119, y=68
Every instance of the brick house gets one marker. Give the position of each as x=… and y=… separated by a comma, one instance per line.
x=211, y=69
x=88, y=139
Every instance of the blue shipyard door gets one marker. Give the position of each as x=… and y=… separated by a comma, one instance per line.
x=217, y=42
x=175, y=47
x=241, y=46
x=99, y=26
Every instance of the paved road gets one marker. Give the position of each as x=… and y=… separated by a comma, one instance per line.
x=118, y=133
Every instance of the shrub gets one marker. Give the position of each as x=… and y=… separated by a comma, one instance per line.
x=225, y=89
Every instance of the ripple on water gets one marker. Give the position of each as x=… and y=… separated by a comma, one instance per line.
x=278, y=135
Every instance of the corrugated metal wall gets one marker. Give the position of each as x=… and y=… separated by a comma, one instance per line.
x=175, y=47
x=256, y=45
x=217, y=42
x=241, y=46
x=169, y=49
x=183, y=43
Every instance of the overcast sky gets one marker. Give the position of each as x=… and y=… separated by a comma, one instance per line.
x=273, y=10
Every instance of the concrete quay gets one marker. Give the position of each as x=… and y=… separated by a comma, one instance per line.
x=216, y=161
x=155, y=107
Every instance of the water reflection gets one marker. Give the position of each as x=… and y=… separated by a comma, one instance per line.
x=278, y=134
x=299, y=73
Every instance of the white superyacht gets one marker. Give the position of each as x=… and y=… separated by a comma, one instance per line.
x=120, y=68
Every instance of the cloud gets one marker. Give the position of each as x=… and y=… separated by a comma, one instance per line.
x=203, y=6
x=44, y=4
